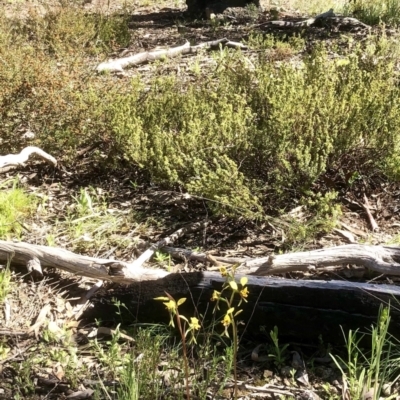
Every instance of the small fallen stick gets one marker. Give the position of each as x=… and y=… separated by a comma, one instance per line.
x=366, y=206
x=118, y=65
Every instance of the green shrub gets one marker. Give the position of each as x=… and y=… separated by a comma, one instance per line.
x=189, y=136
x=248, y=137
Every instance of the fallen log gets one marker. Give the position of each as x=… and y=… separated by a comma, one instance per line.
x=381, y=259
x=325, y=18
x=302, y=309
x=304, y=23
x=116, y=271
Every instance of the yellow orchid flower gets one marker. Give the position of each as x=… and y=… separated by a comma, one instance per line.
x=215, y=295
x=194, y=323
x=227, y=320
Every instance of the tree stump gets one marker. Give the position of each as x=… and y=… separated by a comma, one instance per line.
x=195, y=7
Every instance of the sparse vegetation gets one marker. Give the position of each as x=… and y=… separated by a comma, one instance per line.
x=376, y=12
x=15, y=206
x=366, y=372
x=291, y=126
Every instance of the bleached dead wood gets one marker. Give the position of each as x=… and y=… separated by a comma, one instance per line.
x=52, y=257
x=111, y=270
x=119, y=64
x=382, y=259
x=14, y=160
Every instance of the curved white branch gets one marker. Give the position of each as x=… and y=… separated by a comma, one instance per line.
x=15, y=160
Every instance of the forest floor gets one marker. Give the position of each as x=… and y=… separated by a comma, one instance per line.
x=50, y=350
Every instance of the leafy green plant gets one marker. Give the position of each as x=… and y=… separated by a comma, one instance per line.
x=90, y=222
x=278, y=352
x=129, y=382
x=5, y=283
x=161, y=257
x=112, y=355
x=4, y=350
x=294, y=122
x=84, y=203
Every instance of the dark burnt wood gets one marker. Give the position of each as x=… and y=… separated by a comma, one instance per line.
x=302, y=309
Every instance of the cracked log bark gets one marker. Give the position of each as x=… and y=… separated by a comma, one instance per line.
x=302, y=309
x=381, y=259
x=327, y=18
x=52, y=257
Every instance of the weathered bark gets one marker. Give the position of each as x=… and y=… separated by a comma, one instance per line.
x=115, y=271
x=382, y=259
x=52, y=257
x=301, y=309
x=301, y=24
x=326, y=18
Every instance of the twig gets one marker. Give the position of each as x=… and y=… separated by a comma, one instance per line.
x=366, y=206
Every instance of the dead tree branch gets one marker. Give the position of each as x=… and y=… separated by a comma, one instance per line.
x=14, y=160
x=119, y=64
x=382, y=259
x=111, y=270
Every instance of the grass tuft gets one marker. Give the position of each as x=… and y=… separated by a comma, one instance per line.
x=15, y=206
